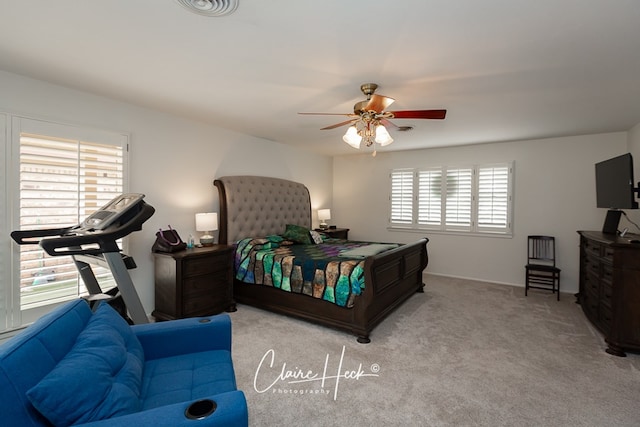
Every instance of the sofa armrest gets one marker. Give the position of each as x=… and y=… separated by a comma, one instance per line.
x=231, y=411
x=182, y=336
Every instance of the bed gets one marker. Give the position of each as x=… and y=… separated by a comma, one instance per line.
x=256, y=207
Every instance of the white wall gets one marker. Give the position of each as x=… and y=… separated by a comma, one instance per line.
x=554, y=194
x=172, y=160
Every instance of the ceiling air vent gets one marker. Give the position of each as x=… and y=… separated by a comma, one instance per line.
x=210, y=7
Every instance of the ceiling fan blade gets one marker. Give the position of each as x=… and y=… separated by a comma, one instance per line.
x=388, y=123
x=337, y=125
x=419, y=114
x=378, y=103
x=329, y=114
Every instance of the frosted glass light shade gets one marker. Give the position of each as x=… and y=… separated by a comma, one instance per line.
x=352, y=138
x=382, y=136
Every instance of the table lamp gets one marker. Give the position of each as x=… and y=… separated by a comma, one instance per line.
x=206, y=222
x=323, y=215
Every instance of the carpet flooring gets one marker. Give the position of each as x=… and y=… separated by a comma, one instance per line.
x=464, y=353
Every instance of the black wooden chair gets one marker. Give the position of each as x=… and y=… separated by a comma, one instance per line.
x=541, y=270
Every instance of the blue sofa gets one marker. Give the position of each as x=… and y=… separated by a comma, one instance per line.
x=75, y=366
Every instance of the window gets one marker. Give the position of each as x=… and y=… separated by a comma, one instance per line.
x=474, y=199
x=63, y=174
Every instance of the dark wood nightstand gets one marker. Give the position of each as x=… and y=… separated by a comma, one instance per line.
x=336, y=233
x=194, y=282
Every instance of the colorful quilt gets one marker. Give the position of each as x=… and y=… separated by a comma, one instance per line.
x=314, y=270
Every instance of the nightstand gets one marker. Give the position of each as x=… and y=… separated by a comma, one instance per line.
x=194, y=282
x=336, y=233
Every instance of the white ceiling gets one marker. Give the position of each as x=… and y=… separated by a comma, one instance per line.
x=504, y=69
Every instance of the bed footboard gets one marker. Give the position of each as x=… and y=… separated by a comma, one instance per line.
x=390, y=278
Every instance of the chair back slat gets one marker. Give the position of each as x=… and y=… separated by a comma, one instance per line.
x=541, y=249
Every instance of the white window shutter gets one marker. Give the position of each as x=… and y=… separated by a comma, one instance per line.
x=61, y=182
x=402, y=197
x=458, y=200
x=430, y=193
x=493, y=197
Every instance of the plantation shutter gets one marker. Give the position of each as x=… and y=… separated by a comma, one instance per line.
x=493, y=198
x=402, y=197
x=65, y=173
x=458, y=199
x=430, y=197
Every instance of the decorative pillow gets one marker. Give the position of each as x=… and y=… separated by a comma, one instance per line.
x=275, y=238
x=298, y=234
x=317, y=237
x=99, y=378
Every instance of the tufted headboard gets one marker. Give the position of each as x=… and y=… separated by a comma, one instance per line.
x=257, y=206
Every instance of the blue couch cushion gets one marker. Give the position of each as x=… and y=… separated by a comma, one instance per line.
x=99, y=378
x=186, y=378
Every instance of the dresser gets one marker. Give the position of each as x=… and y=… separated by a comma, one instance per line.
x=610, y=288
x=193, y=282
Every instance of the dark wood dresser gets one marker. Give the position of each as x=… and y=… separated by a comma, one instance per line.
x=610, y=288
x=193, y=282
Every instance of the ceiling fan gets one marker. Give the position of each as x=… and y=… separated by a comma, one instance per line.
x=369, y=119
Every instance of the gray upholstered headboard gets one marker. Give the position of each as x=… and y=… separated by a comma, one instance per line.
x=258, y=206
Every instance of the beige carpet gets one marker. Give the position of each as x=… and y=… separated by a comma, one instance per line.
x=463, y=353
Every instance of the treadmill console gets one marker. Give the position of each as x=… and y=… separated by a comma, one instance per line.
x=111, y=212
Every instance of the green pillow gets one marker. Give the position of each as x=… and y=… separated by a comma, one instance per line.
x=298, y=234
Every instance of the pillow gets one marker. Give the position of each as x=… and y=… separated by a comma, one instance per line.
x=317, y=237
x=298, y=234
x=99, y=378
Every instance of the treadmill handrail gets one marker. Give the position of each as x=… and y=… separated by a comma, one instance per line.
x=69, y=241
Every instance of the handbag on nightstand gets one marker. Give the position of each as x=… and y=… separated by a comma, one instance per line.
x=168, y=241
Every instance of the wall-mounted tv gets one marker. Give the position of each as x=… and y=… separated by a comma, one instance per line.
x=615, y=188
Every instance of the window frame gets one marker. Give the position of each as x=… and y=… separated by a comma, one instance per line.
x=424, y=219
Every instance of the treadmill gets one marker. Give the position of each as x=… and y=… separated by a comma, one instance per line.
x=93, y=243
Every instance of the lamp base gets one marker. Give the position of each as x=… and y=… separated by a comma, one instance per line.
x=206, y=240
x=324, y=225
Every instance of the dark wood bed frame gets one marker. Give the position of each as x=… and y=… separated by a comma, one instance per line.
x=253, y=206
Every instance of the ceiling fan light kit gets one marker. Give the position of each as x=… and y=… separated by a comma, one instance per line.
x=369, y=117
x=210, y=7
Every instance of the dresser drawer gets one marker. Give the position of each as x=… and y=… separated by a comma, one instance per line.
x=592, y=283
x=201, y=305
x=607, y=274
x=592, y=265
x=605, y=316
x=205, y=284
x=592, y=248
x=205, y=265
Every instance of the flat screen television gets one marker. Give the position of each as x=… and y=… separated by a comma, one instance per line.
x=615, y=187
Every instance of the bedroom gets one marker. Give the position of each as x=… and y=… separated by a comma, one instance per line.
x=559, y=203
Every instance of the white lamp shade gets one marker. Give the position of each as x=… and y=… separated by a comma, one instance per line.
x=382, y=136
x=324, y=214
x=206, y=221
x=352, y=138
